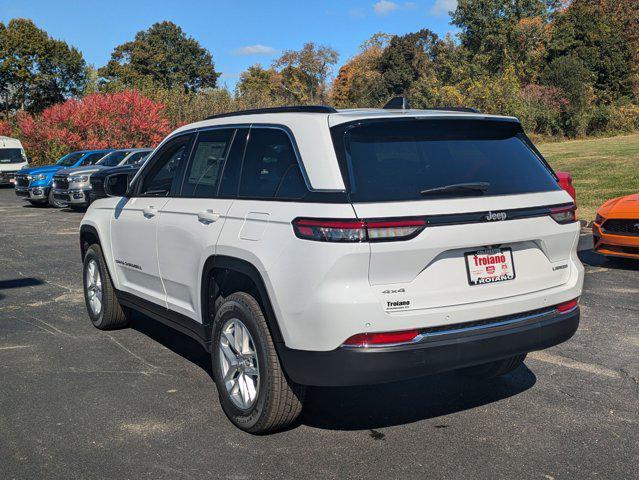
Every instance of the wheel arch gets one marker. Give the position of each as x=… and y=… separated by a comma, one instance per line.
x=223, y=275
x=88, y=236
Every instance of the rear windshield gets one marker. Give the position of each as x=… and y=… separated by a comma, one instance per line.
x=400, y=159
x=113, y=159
x=12, y=155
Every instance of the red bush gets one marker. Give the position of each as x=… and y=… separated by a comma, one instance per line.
x=118, y=120
x=5, y=129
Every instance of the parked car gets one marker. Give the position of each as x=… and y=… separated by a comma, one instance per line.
x=565, y=182
x=34, y=184
x=310, y=246
x=12, y=159
x=97, y=179
x=616, y=227
x=71, y=186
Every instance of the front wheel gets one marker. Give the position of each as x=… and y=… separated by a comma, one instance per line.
x=254, y=391
x=494, y=369
x=103, y=307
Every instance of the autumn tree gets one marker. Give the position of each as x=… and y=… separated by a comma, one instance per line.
x=162, y=56
x=357, y=80
x=122, y=119
x=36, y=70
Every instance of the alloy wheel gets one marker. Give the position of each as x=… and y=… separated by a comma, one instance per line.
x=94, y=287
x=239, y=364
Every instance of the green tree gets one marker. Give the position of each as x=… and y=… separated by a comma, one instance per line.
x=589, y=31
x=260, y=87
x=493, y=31
x=163, y=56
x=36, y=70
x=406, y=59
x=574, y=79
x=305, y=72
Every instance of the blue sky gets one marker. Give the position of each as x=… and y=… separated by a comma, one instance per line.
x=237, y=33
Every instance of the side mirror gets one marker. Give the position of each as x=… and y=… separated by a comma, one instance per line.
x=117, y=185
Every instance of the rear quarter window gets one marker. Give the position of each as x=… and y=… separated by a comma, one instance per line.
x=396, y=160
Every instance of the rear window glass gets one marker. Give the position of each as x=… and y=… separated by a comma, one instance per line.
x=12, y=155
x=398, y=160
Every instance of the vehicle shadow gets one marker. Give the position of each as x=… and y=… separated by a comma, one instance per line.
x=594, y=259
x=18, y=283
x=399, y=403
x=178, y=342
x=368, y=407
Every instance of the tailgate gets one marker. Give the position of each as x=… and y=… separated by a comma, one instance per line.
x=434, y=268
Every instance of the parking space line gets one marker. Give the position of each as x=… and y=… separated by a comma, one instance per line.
x=12, y=347
x=573, y=364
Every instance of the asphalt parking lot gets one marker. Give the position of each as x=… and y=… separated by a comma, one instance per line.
x=76, y=402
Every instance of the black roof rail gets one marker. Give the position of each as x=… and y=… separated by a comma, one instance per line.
x=292, y=109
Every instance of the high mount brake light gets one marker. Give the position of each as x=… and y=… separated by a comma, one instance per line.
x=566, y=214
x=357, y=230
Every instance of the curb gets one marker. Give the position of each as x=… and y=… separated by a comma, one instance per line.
x=586, y=224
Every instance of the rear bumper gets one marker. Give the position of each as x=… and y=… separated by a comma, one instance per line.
x=439, y=353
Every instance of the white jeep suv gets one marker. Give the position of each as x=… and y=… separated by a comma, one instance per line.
x=310, y=246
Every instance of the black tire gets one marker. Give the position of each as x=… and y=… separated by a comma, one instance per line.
x=111, y=315
x=494, y=369
x=279, y=401
x=53, y=202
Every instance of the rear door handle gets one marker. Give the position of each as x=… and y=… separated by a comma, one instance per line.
x=149, y=211
x=207, y=216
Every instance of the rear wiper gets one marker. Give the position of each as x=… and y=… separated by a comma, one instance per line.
x=479, y=187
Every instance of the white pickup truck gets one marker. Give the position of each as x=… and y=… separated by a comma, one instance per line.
x=12, y=159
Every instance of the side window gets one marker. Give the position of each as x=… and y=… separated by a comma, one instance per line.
x=269, y=162
x=231, y=173
x=158, y=180
x=203, y=173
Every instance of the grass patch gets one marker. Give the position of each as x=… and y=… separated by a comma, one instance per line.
x=601, y=168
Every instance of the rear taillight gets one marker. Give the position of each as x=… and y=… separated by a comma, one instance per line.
x=565, y=214
x=381, y=339
x=567, y=306
x=357, y=230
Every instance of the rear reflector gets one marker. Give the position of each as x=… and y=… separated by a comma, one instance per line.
x=567, y=306
x=381, y=339
x=357, y=230
x=564, y=214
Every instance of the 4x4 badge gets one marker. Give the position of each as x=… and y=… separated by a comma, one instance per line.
x=401, y=290
x=495, y=216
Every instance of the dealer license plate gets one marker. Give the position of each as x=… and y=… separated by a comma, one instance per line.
x=490, y=266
